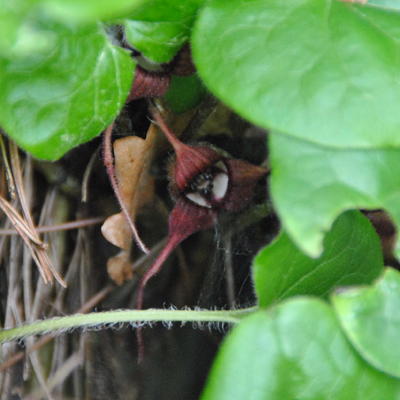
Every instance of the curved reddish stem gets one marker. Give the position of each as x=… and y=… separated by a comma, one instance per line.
x=155, y=268
x=175, y=142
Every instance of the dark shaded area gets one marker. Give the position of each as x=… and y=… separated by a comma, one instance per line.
x=211, y=269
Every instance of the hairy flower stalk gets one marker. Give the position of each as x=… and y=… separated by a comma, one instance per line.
x=148, y=84
x=204, y=183
x=182, y=224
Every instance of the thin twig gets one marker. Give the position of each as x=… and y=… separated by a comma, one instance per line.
x=86, y=176
x=70, y=364
x=9, y=176
x=20, y=226
x=229, y=274
x=81, y=223
x=19, y=223
x=39, y=254
x=19, y=184
x=93, y=301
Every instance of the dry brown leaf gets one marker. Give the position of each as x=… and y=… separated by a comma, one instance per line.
x=119, y=268
x=129, y=153
x=116, y=230
x=133, y=156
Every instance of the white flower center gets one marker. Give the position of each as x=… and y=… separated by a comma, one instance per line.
x=220, y=185
x=210, y=187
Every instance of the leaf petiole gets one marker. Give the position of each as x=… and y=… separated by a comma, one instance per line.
x=134, y=317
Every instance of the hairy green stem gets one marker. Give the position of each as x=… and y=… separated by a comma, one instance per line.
x=139, y=317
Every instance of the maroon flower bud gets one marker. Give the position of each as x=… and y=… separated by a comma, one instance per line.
x=204, y=183
x=148, y=84
x=183, y=222
x=243, y=178
x=190, y=160
x=209, y=179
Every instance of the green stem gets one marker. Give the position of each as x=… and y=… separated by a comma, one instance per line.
x=99, y=319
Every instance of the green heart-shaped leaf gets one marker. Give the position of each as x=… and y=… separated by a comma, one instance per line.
x=311, y=185
x=53, y=101
x=159, y=28
x=371, y=320
x=352, y=255
x=89, y=10
x=295, y=351
x=324, y=71
x=20, y=31
x=389, y=4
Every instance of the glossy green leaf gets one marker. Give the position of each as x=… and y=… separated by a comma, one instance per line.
x=352, y=255
x=323, y=71
x=295, y=351
x=371, y=320
x=389, y=4
x=157, y=41
x=20, y=32
x=184, y=93
x=311, y=185
x=53, y=101
x=159, y=28
x=90, y=10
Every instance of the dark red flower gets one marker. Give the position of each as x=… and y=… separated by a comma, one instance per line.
x=204, y=183
x=147, y=84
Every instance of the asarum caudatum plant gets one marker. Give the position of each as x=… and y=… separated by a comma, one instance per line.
x=204, y=182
